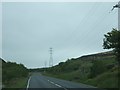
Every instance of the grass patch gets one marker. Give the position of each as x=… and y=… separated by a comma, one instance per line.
x=17, y=83
x=103, y=74
x=75, y=76
x=105, y=80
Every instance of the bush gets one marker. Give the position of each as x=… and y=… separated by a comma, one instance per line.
x=97, y=68
x=12, y=70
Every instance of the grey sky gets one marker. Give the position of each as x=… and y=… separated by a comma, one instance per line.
x=72, y=29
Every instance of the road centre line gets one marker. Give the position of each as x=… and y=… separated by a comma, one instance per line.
x=56, y=84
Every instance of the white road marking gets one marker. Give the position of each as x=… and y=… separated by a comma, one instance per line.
x=28, y=83
x=52, y=82
x=56, y=84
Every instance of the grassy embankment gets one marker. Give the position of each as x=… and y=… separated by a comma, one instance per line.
x=17, y=83
x=14, y=75
x=100, y=71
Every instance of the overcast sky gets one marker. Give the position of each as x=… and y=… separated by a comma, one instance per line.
x=71, y=29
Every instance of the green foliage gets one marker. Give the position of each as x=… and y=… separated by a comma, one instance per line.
x=86, y=71
x=97, y=68
x=64, y=67
x=11, y=70
x=17, y=83
x=112, y=41
x=105, y=80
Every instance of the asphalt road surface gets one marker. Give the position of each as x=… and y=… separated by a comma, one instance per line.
x=39, y=81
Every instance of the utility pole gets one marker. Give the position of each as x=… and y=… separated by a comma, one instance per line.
x=51, y=57
x=118, y=7
x=119, y=15
x=119, y=29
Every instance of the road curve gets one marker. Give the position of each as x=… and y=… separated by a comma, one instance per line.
x=39, y=81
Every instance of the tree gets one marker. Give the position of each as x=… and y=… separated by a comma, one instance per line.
x=112, y=41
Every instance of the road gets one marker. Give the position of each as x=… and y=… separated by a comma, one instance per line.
x=39, y=81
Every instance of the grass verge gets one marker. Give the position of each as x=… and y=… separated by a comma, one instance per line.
x=105, y=80
x=17, y=83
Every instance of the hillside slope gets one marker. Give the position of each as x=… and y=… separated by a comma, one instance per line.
x=13, y=75
x=89, y=69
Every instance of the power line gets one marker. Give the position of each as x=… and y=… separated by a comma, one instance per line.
x=82, y=22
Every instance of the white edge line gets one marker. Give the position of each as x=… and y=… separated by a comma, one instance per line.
x=28, y=83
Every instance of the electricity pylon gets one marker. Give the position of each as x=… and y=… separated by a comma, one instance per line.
x=51, y=57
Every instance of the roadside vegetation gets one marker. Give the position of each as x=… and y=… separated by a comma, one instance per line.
x=14, y=75
x=100, y=70
x=101, y=73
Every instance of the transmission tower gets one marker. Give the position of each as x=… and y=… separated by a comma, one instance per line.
x=45, y=63
x=51, y=57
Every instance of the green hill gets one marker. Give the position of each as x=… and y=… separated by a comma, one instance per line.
x=99, y=70
x=14, y=75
